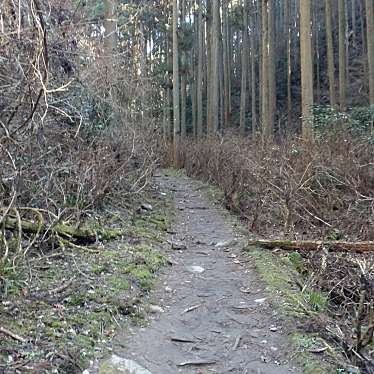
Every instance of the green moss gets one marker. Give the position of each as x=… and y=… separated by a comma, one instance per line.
x=118, y=282
x=297, y=261
x=281, y=277
x=80, y=318
x=310, y=364
x=143, y=276
x=315, y=299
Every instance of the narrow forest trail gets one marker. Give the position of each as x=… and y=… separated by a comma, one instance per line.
x=212, y=320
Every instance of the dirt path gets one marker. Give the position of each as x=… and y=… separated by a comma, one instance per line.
x=213, y=318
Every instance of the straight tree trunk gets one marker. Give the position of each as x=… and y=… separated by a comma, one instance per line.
x=176, y=98
x=272, y=68
x=370, y=47
x=193, y=77
x=110, y=43
x=216, y=33
x=265, y=72
x=289, y=63
x=330, y=53
x=221, y=84
x=226, y=65
x=243, y=94
x=183, y=78
x=316, y=52
x=354, y=27
x=209, y=42
x=200, y=78
x=306, y=69
x=253, y=71
x=363, y=34
x=259, y=38
x=342, y=56
x=347, y=75
x=110, y=25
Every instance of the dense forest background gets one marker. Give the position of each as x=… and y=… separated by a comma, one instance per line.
x=271, y=100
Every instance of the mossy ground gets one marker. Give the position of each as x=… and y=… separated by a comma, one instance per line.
x=68, y=302
x=301, y=304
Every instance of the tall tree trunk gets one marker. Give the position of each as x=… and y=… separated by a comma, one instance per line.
x=226, y=65
x=110, y=25
x=193, y=70
x=183, y=77
x=272, y=68
x=143, y=70
x=168, y=80
x=306, y=69
x=200, y=78
x=221, y=83
x=243, y=94
x=209, y=47
x=316, y=25
x=330, y=53
x=342, y=54
x=259, y=38
x=289, y=63
x=253, y=71
x=347, y=75
x=214, y=100
x=265, y=71
x=354, y=27
x=370, y=46
x=176, y=103
x=363, y=37
x=110, y=43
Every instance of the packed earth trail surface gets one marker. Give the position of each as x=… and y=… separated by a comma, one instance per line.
x=209, y=313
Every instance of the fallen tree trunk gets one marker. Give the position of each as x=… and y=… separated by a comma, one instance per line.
x=84, y=234
x=315, y=245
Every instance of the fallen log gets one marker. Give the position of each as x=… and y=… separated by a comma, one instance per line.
x=82, y=234
x=315, y=245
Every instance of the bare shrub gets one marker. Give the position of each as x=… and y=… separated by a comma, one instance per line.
x=317, y=190
x=70, y=138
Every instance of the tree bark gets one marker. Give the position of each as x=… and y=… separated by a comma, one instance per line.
x=265, y=72
x=176, y=98
x=209, y=47
x=342, y=60
x=110, y=26
x=214, y=100
x=183, y=78
x=226, y=64
x=370, y=46
x=306, y=69
x=272, y=68
x=253, y=71
x=200, y=77
x=243, y=94
x=330, y=53
x=81, y=234
x=289, y=63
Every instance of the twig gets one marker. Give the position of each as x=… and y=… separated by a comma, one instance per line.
x=13, y=335
x=190, y=309
x=237, y=342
